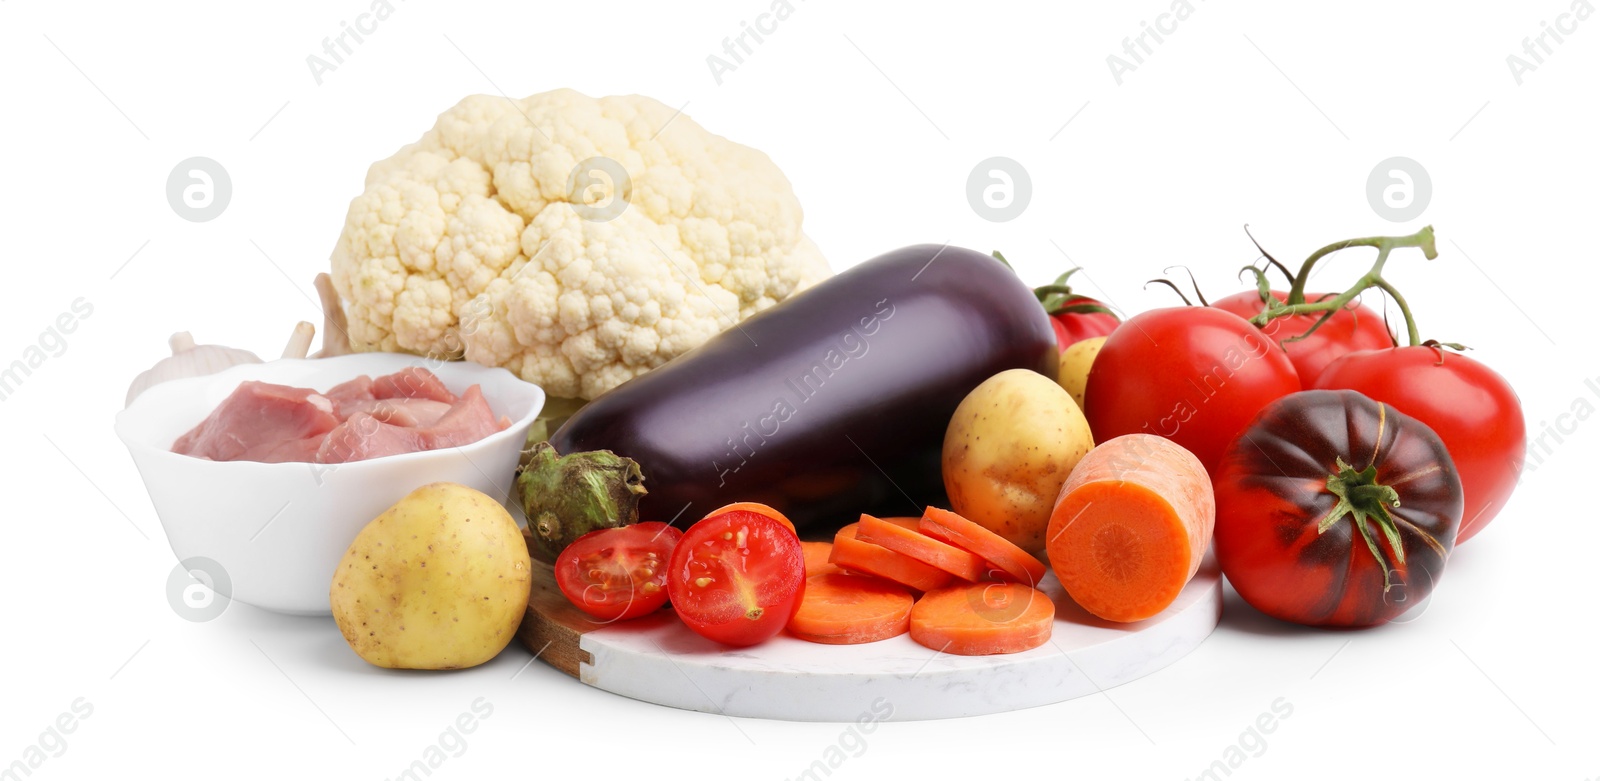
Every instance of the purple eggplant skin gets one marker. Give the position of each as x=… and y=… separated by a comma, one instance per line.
x=827, y=405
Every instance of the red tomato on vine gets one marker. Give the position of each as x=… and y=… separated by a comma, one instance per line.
x=1192, y=374
x=1354, y=327
x=1471, y=407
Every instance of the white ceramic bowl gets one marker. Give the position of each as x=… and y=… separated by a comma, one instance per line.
x=279, y=530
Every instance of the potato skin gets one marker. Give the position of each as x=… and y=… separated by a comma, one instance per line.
x=1010, y=446
x=1075, y=364
x=439, y=581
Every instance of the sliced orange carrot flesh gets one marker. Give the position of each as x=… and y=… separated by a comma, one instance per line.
x=908, y=521
x=753, y=507
x=840, y=609
x=978, y=619
x=817, y=554
x=856, y=556
x=1130, y=527
x=1006, y=556
x=960, y=563
x=902, y=520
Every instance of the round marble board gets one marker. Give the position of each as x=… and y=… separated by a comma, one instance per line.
x=657, y=659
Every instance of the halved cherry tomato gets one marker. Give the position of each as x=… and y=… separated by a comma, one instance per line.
x=737, y=577
x=755, y=507
x=619, y=573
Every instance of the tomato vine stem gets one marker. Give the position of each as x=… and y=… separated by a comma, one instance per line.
x=1295, y=302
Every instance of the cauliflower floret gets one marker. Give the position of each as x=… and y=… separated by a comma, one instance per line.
x=497, y=237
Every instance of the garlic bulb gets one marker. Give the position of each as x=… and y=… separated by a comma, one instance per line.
x=188, y=360
x=191, y=360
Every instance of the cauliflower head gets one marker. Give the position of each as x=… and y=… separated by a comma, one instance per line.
x=578, y=242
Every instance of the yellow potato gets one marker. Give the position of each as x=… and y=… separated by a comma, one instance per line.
x=439, y=581
x=1010, y=446
x=1075, y=363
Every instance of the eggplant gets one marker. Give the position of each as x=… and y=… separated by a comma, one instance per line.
x=829, y=404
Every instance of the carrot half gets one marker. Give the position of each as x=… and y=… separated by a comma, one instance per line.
x=864, y=557
x=753, y=507
x=1003, y=554
x=978, y=619
x=963, y=564
x=840, y=609
x=1130, y=526
x=817, y=554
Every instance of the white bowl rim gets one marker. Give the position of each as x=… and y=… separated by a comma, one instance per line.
x=155, y=396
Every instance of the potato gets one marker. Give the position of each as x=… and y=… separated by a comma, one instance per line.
x=1009, y=448
x=1075, y=363
x=439, y=581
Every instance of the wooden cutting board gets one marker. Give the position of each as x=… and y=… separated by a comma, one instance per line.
x=657, y=659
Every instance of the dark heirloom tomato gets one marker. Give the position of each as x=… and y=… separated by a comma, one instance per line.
x=1472, y=408
x=1335, y=510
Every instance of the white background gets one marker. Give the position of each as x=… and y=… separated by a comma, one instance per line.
x=1253, y=112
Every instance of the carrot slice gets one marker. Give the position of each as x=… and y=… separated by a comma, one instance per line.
x=840, y=609
x=908, y=521
x=1006, y=556
x=978, y=619
x=963, y=564
x=1130, y=526
x=864, y=557
x=753, y=507
x=817, y=557
x=903, y=521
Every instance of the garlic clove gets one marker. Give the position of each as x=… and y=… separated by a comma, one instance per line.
x=300, y=340
x=188, y=360
x=335, y=328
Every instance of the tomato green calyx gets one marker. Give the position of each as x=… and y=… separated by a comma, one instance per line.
x=1439, y=347
x=1295, y=302
x=1363, y=498
x=1057, y=298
